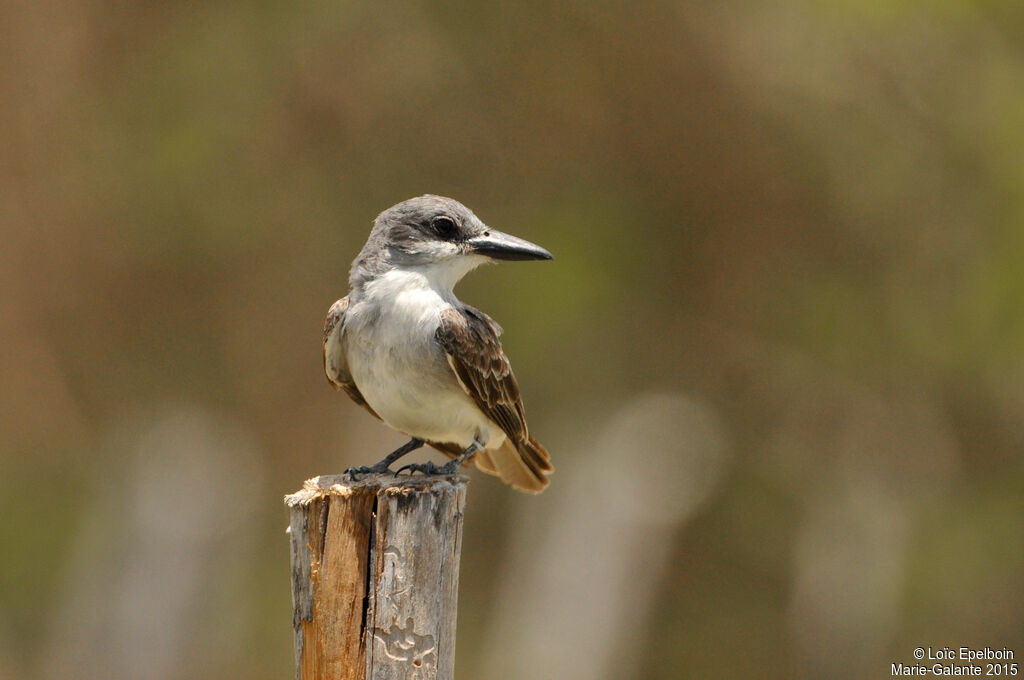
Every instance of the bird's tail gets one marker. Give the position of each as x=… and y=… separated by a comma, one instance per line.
x=525, y=467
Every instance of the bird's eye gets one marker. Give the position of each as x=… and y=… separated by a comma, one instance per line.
x=444, y=226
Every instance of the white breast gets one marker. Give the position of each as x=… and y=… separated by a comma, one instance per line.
x=399, y=368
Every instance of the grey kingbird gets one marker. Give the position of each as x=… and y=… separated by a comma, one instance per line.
x=405, y=348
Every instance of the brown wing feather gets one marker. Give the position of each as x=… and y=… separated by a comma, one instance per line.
x=335, y=365
x=470, y=341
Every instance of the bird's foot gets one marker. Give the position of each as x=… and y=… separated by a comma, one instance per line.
x=378, y=469
x=383, y=466
x=429, y=468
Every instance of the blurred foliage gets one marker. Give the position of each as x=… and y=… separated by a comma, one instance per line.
x=805, y=215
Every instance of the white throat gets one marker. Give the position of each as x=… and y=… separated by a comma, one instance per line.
x=415, y=294
x=439, y=276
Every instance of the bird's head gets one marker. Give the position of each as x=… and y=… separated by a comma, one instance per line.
x=438, y=236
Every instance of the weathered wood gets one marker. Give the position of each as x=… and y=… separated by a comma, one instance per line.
x=375, y=576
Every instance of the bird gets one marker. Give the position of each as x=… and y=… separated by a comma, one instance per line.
x=402, y=346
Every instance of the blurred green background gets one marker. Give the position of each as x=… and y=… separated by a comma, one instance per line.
x=779, y=359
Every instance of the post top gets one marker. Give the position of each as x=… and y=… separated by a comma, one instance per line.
x=390, y=484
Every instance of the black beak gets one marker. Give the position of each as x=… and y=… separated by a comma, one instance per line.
x=499, y=246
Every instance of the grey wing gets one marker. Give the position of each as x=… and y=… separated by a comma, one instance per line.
x=335, y=365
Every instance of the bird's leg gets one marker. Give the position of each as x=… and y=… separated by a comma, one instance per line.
x=450, y=468
x=384, y=465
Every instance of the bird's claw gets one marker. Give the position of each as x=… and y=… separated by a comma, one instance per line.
x=429, y=468
x=367, y=470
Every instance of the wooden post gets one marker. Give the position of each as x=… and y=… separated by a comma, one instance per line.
x=375, y=576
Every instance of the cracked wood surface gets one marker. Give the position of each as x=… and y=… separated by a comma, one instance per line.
x=375, y=576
